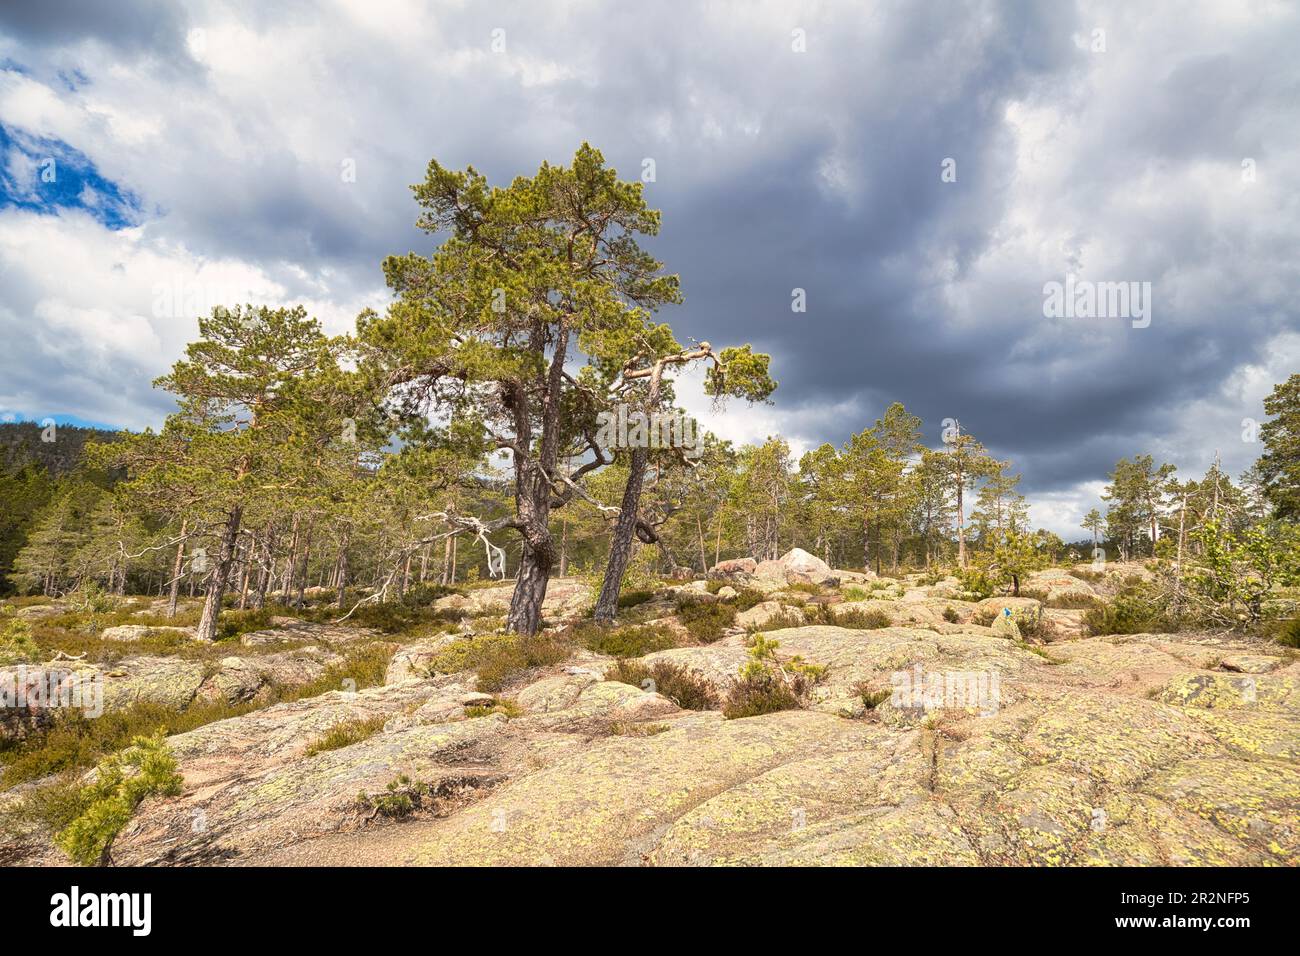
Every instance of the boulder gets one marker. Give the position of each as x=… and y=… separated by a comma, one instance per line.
x=733, y=569
x=241, y=679
x=554, y=693
x=412, y=661
x=760, y=614
x=32, y=696
x=134, y=632
x=42, y=610
x=804, y=567
x=1023, y=609
x=1056, y=583
x=796, y=566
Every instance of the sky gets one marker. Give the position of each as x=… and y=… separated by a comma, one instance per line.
x=879, y=195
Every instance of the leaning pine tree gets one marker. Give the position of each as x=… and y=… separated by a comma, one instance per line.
x=531, y=278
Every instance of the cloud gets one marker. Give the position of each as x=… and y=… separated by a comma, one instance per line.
x=230, y=126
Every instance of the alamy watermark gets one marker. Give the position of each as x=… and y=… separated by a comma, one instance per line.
x=936, y=690
x=43, y=688
x=626, y=428
x=1077, y=298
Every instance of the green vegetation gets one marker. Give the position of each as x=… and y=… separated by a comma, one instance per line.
x=16, y=644
x=804, y=587
x=345, y=734
x=401, y=798
x=872, y=697
x=768, y=684
x=626, y=641
x=977, y=583
x=122, y=781
x=507, y=707
x=1137, y=609
x=857, y=618
x=75, y=741
x=679, y=684
x=633, y=598
x=1286, y=632
x=706, y=620
x=498, y=658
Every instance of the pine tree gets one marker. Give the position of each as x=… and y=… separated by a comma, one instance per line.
x=260, y=396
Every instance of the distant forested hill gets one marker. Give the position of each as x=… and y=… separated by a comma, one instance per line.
x=31, y=473
x=21, y=445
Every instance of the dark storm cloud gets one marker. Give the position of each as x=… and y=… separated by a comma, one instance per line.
x=131, y=26
x=779, y=170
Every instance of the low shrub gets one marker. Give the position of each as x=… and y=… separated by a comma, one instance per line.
x=767, y=684
x=496, y=658
x=977, y=582
x=871, y=697
x=425, y=593
x=814, y=614
x=401, y=797
x=633, y=598
x=804, y=587
x=628, y=641
x=361, y=667
x=16, y=643
x=859, y=619
x=1285, y=632
x=950, y=615
x=234, y=624
x=345, y=734
x=682, y=686
x=762, y=692
x=1072, y=602
x=706, y=620
x=105, y=806
x=1134, y=610
x=75, y=741
x=497, y=666
x=507, y=707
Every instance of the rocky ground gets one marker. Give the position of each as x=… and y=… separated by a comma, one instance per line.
x=1076, y=750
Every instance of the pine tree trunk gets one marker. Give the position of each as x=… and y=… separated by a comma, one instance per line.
x=620, y=546
x=302, y=576
x=341, y=573
x=290, y=564
x=525, y=615
x=174, y=591
x=220, y=574
x=264, y=575
x=445, y=578
x=564, y=546
x=961, y=524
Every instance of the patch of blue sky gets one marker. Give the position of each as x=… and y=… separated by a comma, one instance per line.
x=48, y=175
x=8, y=417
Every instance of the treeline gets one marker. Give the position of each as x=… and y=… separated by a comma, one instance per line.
x=459, y=435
